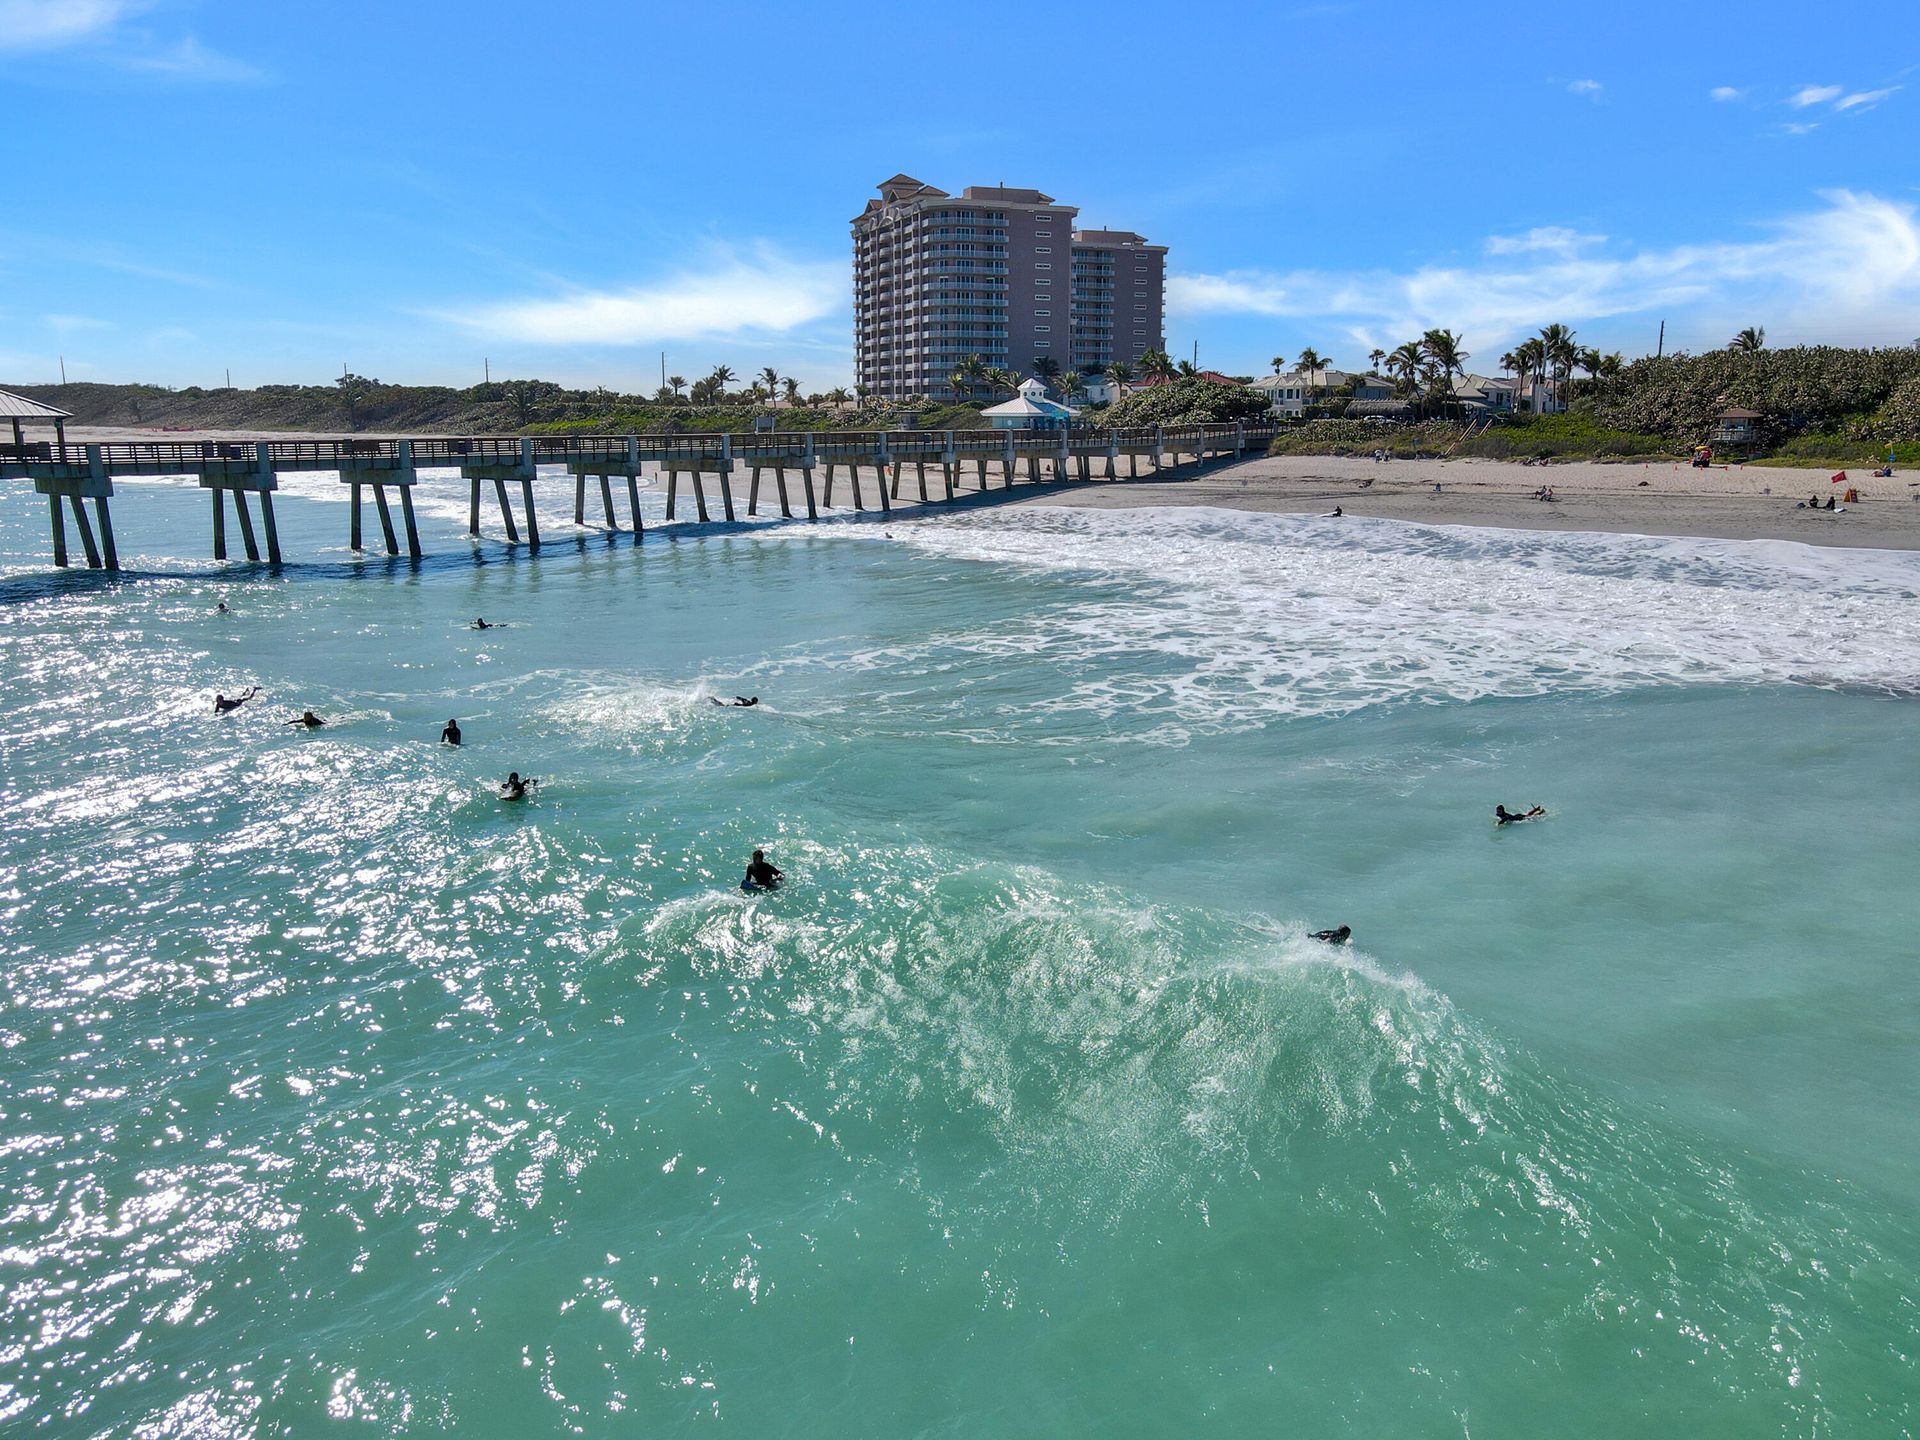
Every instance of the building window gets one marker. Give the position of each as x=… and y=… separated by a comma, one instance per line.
x=1042, y=280
x=1041, y=329
x=1043, y=219
x=1139, y=294
x=1043, y=264
x=1043, y=249
x=1047, y=313
x=1042, y=344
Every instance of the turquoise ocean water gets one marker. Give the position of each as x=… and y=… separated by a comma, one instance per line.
x=338, y=1097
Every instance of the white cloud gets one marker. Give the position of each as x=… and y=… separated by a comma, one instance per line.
x=1793, y=129
x=49, y=24
x=1852, y=265
x=1585, y=87
x=761, y=292
x=1814, y=95
x=188, y=59
x=1556, y=238
x=1724, y=93
x=1867, y=98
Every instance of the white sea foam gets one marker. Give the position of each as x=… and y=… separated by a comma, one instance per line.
x=1212, y=619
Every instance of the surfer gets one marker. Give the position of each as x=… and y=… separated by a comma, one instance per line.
x=1340, y=935
x=480, y=623
x=451, y=735
x=308, y=719
x=761, y=873
x=1504, y=816
x=514, y=788
x=224, y=706
x=221, y=609
x=739, y=702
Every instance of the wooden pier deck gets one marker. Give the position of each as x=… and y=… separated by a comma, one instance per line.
x=873, y=464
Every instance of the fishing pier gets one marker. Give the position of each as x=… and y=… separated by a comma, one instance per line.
x=873, y=464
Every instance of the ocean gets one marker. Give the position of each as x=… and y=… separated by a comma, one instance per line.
x=336, y=1089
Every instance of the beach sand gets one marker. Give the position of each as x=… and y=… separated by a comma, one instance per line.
x=1732, y=503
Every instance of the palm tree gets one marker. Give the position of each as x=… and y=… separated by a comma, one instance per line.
x=1046, y=367
x=838, y=396
x=1404, y=363
x=1068, y=383
x=1310, y=362
x=958, y=380
x=676, y=383
x=1187, y=370
x=1118, y=374
x=721, y=377
x=974, y=368
x=1374, y=357
x=1558, y=354
x=770, y=381
x=1749, y=341
x=999, y=378
x=1279, y=364
x=1611, y=366
x=793, y=390
x=1157, y=366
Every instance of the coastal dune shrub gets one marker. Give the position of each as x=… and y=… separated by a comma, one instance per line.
x=1186, y=402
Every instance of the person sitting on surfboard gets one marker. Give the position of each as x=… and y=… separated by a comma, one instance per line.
x=514, y=788
x=1340, y=935
x=761, y=874
x=451, y=734
x=1504, y=816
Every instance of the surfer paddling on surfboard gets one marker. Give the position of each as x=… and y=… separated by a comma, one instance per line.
x=514, y=788
x=1504, y=816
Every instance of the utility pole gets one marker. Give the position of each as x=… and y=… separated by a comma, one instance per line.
x=229, y=377
x=663, y=369
x=1661, y=348
x=63, y=369
x=486, y=368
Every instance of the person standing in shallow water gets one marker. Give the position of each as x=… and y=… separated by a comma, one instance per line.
x=451, y=734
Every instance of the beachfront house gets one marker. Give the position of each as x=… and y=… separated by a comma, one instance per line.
x=1030, y=409
x=1289, y=394
x=1484, y=395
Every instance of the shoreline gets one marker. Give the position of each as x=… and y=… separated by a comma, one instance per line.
x=1677, y=501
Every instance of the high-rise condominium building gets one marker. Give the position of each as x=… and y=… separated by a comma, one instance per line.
x=998, y=273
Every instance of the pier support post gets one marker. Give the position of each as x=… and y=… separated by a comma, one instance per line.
x=59, y=531
x=899, y=471
x=219, y=524
x=106, y=532
x=1006, y=463
x=473, y=506
x=271, y=526
x=580, y=499
x=726, y=473
x=406, y=512
x=753, y=492
x=606, y=501
x=386, y=519
x=533, y=520
x=633, y=501
x=699, y=497
x=853, y=478
x=886, y=501
x=806, y=484
x=506, y=512
x=780, y=483
x=673, y=489
x=826, y=497
x=246, y=525
x=920, y=474
x=86, y=532
x=353, y=515
x=946, y=464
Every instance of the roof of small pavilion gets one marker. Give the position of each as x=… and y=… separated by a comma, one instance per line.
x=19, y=407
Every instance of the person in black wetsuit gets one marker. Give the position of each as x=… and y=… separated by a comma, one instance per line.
x=739, y=702
x=514, y=788
x=1504, y=816
x=308, y=719
x=451, y=735
x=224, y=706
x=1337, y=936
x=761, y=873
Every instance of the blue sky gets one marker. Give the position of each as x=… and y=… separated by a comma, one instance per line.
x=568, y=189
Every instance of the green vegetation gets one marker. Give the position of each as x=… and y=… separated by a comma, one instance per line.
x=1524, y=437
x=1858, y=396
x=1186, y=402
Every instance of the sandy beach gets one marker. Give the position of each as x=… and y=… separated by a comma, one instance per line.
x=1733, y=503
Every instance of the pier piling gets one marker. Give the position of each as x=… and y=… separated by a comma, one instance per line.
x=59, y=531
